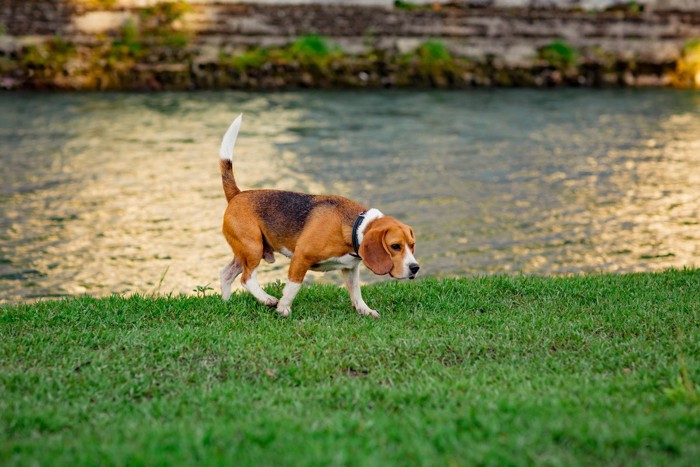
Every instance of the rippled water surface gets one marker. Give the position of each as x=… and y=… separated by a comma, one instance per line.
x=105, y=193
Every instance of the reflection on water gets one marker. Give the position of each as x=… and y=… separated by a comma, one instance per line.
x=121, y=192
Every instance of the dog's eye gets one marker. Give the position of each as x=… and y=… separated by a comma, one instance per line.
x=396, y=247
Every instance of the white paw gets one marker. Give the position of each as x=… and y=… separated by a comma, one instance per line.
x=367, y=311
x=271, y=302
x=284, y=310
x=225, y=289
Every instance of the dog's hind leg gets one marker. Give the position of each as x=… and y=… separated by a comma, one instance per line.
x=252, y=286
x=249, y=280
x=247, y=243
x=228, y=275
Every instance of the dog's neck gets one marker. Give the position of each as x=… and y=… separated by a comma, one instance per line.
x=361, y=224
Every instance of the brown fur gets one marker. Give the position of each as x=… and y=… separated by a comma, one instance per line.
x=230, y=187
x=376, y=250
x=250, y=224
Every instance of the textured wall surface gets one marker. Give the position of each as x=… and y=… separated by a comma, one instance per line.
x=587, y=4
x=512, y=35
x=648, y=36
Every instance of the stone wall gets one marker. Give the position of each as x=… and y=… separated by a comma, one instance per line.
x=510, y=36
x=35, y=17
x=585, y=4
x=650, y=39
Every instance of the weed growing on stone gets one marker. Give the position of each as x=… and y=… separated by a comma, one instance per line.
x=688, y=66
x=559, y=55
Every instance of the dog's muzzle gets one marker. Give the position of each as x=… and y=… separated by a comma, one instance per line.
x=413, y=267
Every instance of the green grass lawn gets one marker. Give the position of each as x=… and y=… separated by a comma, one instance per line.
x=495, y=370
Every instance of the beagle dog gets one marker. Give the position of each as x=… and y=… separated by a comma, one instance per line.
x=318, y=233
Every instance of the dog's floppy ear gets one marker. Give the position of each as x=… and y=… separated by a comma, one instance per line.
x=374, y=254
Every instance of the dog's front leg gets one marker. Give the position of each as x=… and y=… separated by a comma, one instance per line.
x=352, y=282
x=284, y=307
x=297, y=270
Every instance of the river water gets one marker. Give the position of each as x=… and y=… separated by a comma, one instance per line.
x=120, y=193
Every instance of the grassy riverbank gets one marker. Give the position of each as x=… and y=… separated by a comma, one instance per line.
x=594, y=369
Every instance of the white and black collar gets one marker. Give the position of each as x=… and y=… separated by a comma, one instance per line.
x=360, y=225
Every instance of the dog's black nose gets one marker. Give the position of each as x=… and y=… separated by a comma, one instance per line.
x=413, y=267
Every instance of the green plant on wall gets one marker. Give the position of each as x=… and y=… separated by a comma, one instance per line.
x=160, y=22
x=129, y=42
x=156, y=25
x=411, y=6
x=49, y=57
x=98, y=3
x=688, y=66
x=403, y=5
x=634, y=7
x=168, y=12
x=311, y=47
x=253, y=58
x=433, y=52
x=431, y=62
x=559, y=54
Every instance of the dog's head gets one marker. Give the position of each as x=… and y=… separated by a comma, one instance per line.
x=387, y=248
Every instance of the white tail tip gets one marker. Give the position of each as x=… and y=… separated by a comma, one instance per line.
x=229, y=141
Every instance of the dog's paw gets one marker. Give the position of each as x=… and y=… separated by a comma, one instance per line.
x=225, y=294
x=271, y=302
x=367, y=311
x=284, y=311
x=225, y=289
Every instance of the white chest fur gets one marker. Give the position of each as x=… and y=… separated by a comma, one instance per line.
x=332, y=264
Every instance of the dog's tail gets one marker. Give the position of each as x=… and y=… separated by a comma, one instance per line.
x=226, y=161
